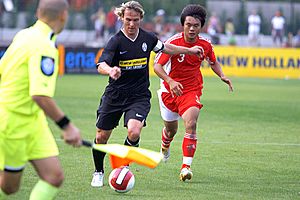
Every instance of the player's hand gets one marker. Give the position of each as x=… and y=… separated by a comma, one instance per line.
x=228, y=82
x=115, y=73
x=197, y=50
x=175, y=88
x=71, y=135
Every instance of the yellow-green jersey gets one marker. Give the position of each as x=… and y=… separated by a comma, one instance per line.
x=29, y=67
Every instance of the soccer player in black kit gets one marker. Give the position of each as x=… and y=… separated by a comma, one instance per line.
x=125, y=59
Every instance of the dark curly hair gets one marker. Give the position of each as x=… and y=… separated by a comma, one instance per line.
x=194, y=10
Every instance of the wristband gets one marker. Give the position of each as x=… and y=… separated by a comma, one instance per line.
x=63, y=122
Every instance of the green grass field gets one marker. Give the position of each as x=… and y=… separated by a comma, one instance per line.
x=248, y=144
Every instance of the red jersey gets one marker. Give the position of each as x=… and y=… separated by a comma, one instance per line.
x=185, y=68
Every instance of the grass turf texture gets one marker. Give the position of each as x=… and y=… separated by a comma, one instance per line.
x=248, y=144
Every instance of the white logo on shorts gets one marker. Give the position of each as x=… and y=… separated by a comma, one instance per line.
x=138, y=115
x=123, y=52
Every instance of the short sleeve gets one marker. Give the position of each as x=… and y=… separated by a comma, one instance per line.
x=42, y=70
x=109, y=51
x=211, y=57
x=162, y=58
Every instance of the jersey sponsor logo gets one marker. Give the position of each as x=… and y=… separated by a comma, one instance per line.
x=144, y=47
x=47, y=65
x=122, y=52
x=133, y=64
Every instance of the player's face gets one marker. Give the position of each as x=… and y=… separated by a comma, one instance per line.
x=191, y=28
x=131, y=22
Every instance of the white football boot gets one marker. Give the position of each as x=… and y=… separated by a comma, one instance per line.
x=97, y=179
x=186, y=174
x=165, y=152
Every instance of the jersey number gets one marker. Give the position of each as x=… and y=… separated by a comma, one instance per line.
x=181, y=59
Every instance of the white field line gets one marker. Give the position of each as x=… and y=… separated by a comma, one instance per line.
x=220, y=142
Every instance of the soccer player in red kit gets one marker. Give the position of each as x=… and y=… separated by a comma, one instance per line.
x=182, y=85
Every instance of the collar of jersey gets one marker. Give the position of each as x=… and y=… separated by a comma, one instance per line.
x=129, y=37
x=45, y=28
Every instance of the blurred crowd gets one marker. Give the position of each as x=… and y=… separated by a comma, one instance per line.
x=105, y=23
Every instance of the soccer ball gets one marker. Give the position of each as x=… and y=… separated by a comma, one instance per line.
x=121, y=179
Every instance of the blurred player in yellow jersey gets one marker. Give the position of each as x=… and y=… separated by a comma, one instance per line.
x=28, y=72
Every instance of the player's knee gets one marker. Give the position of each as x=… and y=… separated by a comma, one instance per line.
x=56, y=179
x=191, y=124
x=171, y=131
x=10, y=189
x=134, y=133
x=101, y=138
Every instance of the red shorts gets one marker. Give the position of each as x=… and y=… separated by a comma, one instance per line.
x=179, y=104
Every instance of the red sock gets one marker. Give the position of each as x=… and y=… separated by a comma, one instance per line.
x=165, y=140
x=189, y=145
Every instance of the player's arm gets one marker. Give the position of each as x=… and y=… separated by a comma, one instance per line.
x=105, y=69
x=175, y=87
x=173, y=49
x=104, y=65
x=71, y=133
x=218, y=70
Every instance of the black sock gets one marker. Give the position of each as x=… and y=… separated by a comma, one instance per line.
x=98, y=159
x=131, y=143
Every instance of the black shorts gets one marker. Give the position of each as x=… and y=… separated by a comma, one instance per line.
x=111, y=110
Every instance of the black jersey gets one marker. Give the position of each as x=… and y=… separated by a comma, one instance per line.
x=132, y=56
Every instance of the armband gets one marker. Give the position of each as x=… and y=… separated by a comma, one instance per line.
x=63, y=122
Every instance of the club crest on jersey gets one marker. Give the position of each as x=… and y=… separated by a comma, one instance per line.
x=144, y=47
x=47, y=65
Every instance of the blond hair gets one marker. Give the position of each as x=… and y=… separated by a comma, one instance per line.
x=134, y=5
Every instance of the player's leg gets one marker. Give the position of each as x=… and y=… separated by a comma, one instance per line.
x=12, y=154
x=102, y=137
x=13, y=160
x=51, y=178
x=3, y=195
x=10, y=182
x=108, y=117
x=167, y=107
x=136, y=112
x=134, y=128
x=43, y=155
x=189, y=143
x=168, y=133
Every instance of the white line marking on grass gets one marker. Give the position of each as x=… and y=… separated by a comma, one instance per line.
x=220, y=142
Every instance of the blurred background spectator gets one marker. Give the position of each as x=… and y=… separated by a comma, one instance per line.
x=214, y=28
x=159, y=22
x=297, y=39
x=229, y=31
x=162, y=17
x=254, y=22
x=111, y=19
x=289, y=40
x=278, y=22
x=99, y=23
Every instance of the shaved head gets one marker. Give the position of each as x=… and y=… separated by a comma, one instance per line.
x=51, y=9
x=54, y=13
